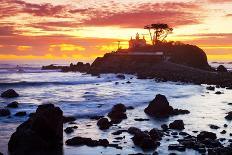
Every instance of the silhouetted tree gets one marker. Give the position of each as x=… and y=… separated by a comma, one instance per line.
x=161, y=31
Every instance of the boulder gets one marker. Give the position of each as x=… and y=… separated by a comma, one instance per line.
x=206, y=135
x=43, y=131
x=214, y=126
x=221, y=68
x=212, y=88
x=177, y=124
x=156, y=134
x=69, y=130
x=134, y=130
x=159, y=107
x=229, y=116
x=10, y=93
x=21, y=113
x=13, y=105
x=121, y=76
x=103, y=123
x=117, y=113
x=4, y=112
x=144, y=141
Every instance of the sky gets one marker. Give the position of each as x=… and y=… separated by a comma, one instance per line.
x=81, y=30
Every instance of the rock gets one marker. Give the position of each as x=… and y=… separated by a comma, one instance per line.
x=144, y=141
x=225, y=125
x=176, y=147
x=180, y=112
x=210, y=88
x=177, y=124
x=67, y=119
x=214, y=126
x=96, y=117
x=159, y=107
x=69, y=130
x=206, y=135
x=117, y=113
x=4, y=112
x=119, y=132
x=130, y=108
x=156, y=134
x=164, y=127
x=103, y=123
x=229, y=116
x=10, y=93
x=221, y=68
x=128, y=82
x=218, y=92
x=134, y=130
x=13, y=105
x=141, y=119
x=41, y=132
x=1, y=153
x=223, y=132
x=121, y=76
x=21, y=113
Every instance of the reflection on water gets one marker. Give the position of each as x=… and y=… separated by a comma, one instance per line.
x=82, y=95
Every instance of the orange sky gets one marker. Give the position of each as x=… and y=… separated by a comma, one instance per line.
x=71, y=30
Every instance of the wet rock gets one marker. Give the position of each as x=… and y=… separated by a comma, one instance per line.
x=96, y=117
x=144, y=141
x=4, y=112
x=225, y=125
x=117, y=113
x=159, y=107
x=221, y=68
x=180, y=112
x=119, y=132
x=41, y=132
x=130, y=108
x=121, y=76
x=141, y=119
x=214, y=126
x=210, y=88
x=206, y=135
x=176, y=147
x=103, y=123
x=67, y=119
x=156, y=134
x=13, y=105
x=69, y=130
x=10, y=93
x=223, y=132
x=177, y=124
x=218, y=92
x=164, y=127
x=21, y=113
x=1, y=153
x=134, y=130
x=229, y=116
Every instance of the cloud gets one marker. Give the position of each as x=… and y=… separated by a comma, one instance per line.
x=229, y=15
x=66, y=47
x=219, y=1
x=24, y=48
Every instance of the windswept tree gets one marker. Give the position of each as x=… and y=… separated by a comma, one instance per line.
x=161, y=31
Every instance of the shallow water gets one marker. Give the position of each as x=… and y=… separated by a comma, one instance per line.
x=82, y=95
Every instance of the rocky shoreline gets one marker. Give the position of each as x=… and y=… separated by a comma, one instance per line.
x=45, y=129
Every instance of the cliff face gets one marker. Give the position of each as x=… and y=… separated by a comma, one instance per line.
x=187, y=55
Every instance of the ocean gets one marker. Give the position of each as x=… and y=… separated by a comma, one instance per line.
x=82, y=95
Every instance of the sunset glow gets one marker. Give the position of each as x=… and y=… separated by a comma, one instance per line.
x=81, y=30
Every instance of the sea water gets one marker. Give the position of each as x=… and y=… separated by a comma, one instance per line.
x=82, y=95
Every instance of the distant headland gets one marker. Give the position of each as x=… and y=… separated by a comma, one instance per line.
x=162, y=60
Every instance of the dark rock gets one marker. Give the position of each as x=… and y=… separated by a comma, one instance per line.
x=117, y=113
x=96, y=117
x=221, y=68
x=144, y=141
x=214, y=126
x=41, y=132
x=206, y=135
x=229, y=116
x=69, y=130
x=156, y=134
x=21, y=113
x=134, y=130
x=10, y=93
x=159, y=107
x=180, y=112
x=67, y=119
x=13, y=105
x=210, y=88
x=1, y=153
x=128, y=82
x=177, y=124
x=176, y=147
x=141, y=119
x=119, y=132
x=225, y=125
x=223, y=132
x=130, y=108
x=103, y=123
x=121, y=76
x=4, y=112
x=218, y=92
x=164, y=127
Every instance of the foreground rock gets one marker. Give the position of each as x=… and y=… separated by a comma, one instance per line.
x=43, y=131
x=4, y=112
x=117, y=113
x=229, y=116
x=206, y=135
x=10, y=93
x=13, y=105
x=177, y=124
x=103, y=123
x=159, y=107
x=77, y=141
x=221, y=68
